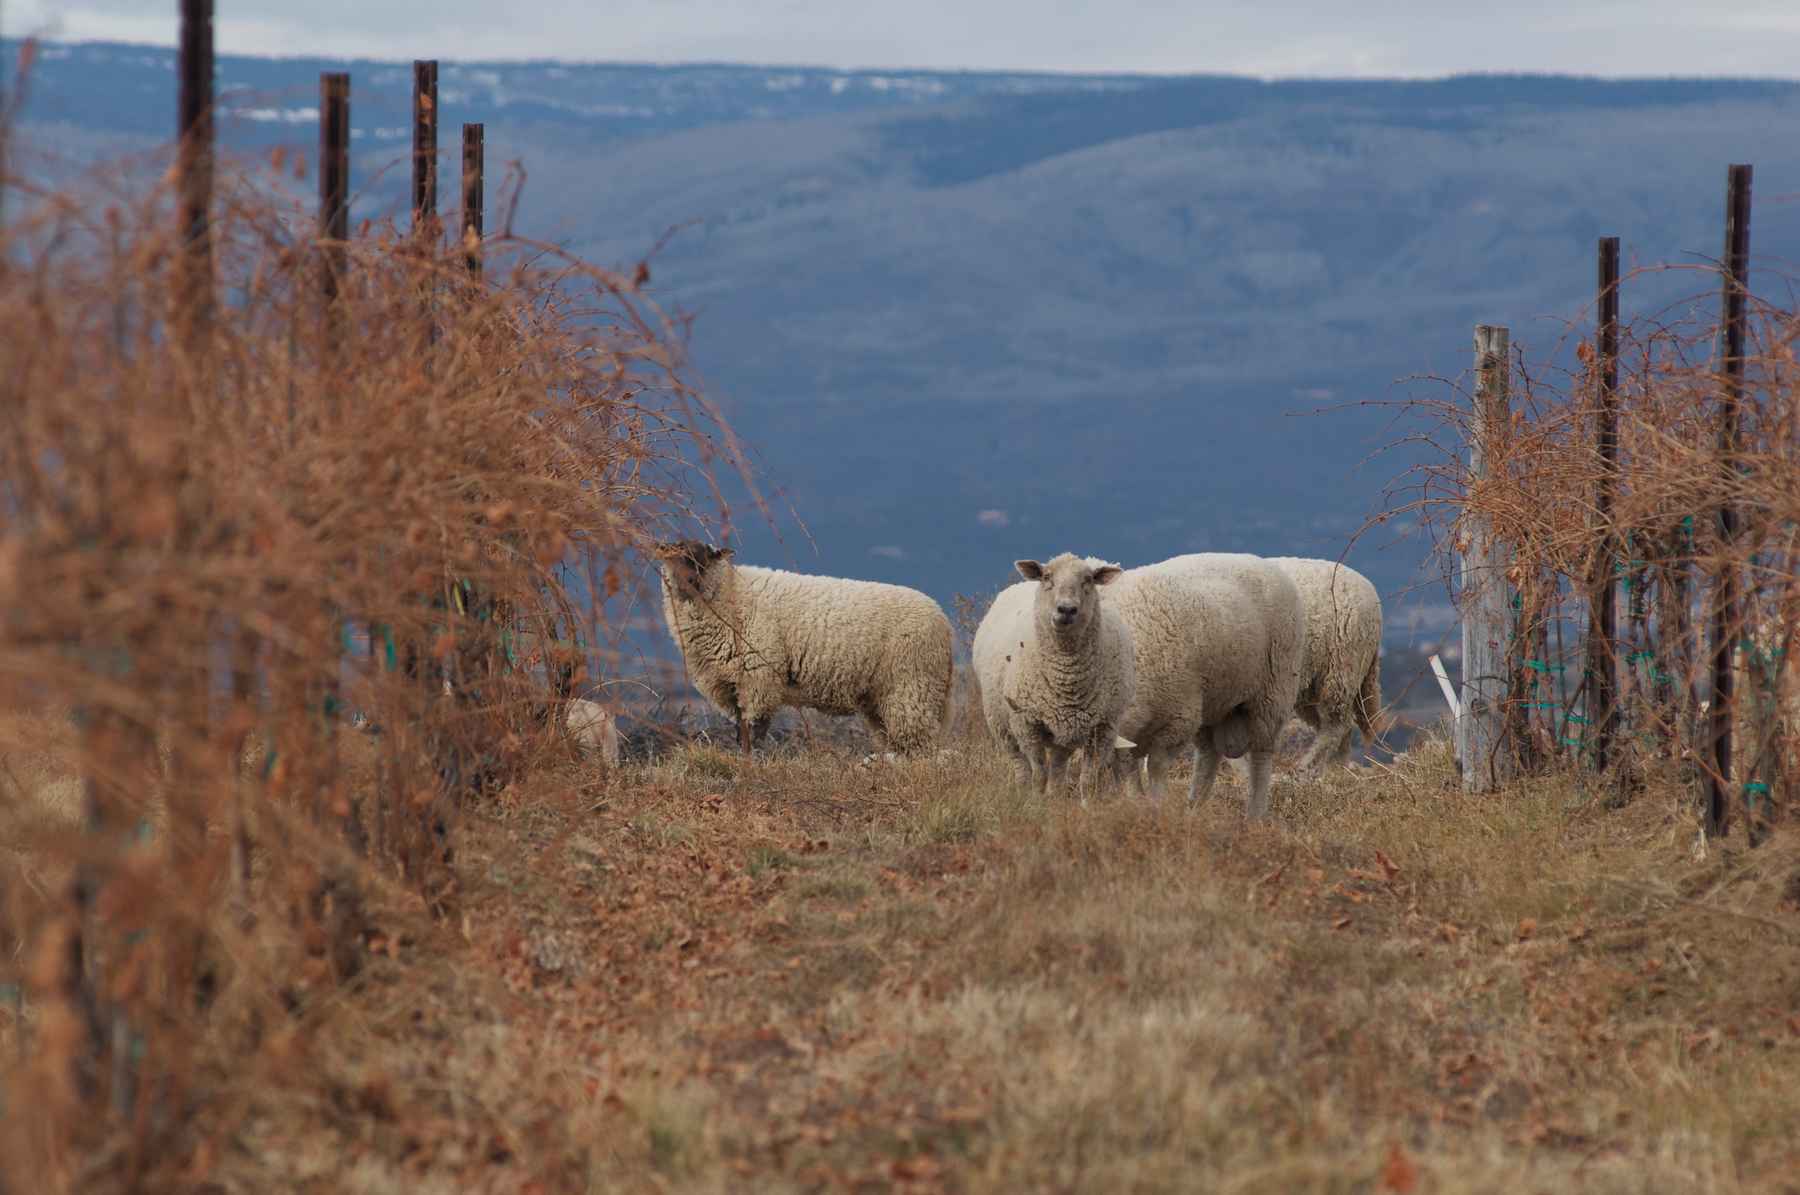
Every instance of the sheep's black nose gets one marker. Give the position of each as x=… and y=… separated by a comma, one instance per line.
x=1066, y=612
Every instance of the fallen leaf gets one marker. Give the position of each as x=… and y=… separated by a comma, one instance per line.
x=920, y=1166
x=1399, y=1173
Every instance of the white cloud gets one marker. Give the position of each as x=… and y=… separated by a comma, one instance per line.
x=1317, y=37
x=993, y=518
x=889, y=551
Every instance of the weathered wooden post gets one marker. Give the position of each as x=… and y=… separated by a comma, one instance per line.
x=1486, y=757
x=1603, y=609
x=1725, y=620
x=473, y=191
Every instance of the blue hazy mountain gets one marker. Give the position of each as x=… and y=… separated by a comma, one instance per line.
x=967, y=317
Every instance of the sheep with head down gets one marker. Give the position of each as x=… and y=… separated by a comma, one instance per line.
x=757, y=639
x=1056, y=670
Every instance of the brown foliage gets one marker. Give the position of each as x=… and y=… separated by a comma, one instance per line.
x=1664, y=528
x=209, y=510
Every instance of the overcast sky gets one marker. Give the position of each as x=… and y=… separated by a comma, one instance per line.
x=1257, y=37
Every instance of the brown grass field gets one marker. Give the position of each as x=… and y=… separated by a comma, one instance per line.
x=800, y=973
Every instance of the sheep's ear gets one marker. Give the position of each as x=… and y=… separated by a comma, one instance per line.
x=1107, y=574
x=1031, y=570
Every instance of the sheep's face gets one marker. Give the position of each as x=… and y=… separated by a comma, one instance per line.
x=691, y=568
x=1068, y=594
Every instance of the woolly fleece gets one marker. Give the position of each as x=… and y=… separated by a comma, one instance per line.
x=1218, y=641
x=757, y=639
x=1048, y=691
x=1340, y=680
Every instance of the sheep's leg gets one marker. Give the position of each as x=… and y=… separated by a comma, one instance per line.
x=1056, y=769
x=1126, y=767
x=878, y=731
x=912, y=717
x=1034, y=756
x=1157, y=768
x=1021, y=765
x=752, y=730
x=1206, y=768
x=1087, y=784
x=1262, y=761
x=1096, y=763
x=1331, y=744
x=1313, y=761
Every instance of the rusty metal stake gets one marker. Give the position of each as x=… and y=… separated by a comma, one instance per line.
x=1603, y=600
x=334, y=173
x=194, y=120
x=424, y=146
x=473, y=188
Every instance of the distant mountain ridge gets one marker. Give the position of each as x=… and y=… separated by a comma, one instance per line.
x=965, y=317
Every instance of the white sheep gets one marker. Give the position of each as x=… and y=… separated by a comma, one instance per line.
x=1055, y=668
x=593, y=728
x=1340, y=676
x=757, y=639
x=1218, y=639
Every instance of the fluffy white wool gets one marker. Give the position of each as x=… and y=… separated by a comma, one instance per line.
x=757, y=639
x=1218, y=640
x=1340, y=679
x=1050, y=688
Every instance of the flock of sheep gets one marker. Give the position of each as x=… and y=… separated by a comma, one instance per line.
x=1127, y=667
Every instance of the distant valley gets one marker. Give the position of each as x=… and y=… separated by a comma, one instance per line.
x=962, y=318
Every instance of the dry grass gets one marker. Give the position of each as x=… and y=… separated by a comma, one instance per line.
x=796, y=973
